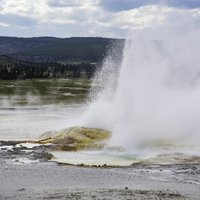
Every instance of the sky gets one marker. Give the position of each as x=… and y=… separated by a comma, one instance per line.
x=156, y=19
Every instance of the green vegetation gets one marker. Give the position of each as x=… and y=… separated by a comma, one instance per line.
x=43, y=91
x=47, y=70
x=14, y=69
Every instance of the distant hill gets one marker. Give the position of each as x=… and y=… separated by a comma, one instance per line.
x=50, y=49
x=6, y=61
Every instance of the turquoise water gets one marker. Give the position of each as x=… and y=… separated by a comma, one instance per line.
x=96, y=157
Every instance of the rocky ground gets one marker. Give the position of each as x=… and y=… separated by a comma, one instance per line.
x=26, y=173
x=16, y=152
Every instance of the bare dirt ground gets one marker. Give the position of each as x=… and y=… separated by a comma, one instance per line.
x=51, y=181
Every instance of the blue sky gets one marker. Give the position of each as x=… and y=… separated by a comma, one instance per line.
x=157, y=19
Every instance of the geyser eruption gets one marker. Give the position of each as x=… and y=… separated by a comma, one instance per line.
x=151, y=96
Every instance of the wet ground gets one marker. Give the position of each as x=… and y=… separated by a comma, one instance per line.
x=27, y=173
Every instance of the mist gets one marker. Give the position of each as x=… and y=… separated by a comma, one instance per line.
x=153, y=96
x=34, y=107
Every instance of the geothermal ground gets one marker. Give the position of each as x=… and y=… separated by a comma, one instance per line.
x=46, y=180
x=148, y=101
x=27, y=173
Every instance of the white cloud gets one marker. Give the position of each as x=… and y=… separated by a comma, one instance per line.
x=119, y=5
x=3, y=24
x=65, y=18
x=158, y=21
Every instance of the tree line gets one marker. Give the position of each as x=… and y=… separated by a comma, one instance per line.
x=22, y=70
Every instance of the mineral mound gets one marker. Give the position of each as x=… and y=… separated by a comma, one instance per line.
x=76, y=138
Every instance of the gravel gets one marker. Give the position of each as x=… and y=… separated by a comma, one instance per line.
x=48, y=180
